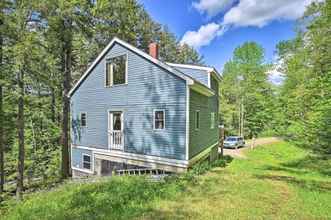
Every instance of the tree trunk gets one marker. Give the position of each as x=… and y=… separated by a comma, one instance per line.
x=53, y=105
x=2, y=171
x=67, y=55
x=20, y=128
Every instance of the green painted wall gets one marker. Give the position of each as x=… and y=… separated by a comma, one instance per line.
x=205, y=136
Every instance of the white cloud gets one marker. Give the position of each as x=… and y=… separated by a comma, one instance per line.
x=275, y=77
x=212, y=7
x=203, y=36
x=260, y=12
x=274, y=74
x=256, y=13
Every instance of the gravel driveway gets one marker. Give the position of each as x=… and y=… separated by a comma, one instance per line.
x=238, y=153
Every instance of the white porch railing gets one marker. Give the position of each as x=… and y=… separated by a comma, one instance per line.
x=116, y=139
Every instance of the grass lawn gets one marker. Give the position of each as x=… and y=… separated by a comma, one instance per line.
x=277, y=181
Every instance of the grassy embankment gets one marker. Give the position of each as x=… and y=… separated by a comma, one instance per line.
x=278, y=181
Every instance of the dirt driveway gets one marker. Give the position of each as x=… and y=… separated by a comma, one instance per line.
x=238, y=153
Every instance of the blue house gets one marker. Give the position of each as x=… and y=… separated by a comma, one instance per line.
x=130, y=110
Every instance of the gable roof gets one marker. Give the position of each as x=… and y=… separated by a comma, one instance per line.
x=190, y=81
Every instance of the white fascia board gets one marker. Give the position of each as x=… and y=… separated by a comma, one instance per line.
x=136, y=50
x=209, y=69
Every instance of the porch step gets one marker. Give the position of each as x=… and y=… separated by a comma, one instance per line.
x=141, y=171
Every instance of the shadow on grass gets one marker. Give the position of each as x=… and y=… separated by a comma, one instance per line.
x=320, y=164
x=313, y=185
x=306, y=165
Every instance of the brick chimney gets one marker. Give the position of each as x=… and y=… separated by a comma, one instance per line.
x=154, y=50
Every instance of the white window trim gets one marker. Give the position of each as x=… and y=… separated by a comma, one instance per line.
x=105, y=75
x=83, y=154
x=164, y=119
x=212, y=122
x=111, y=71
x=195, y=120
x=80, y=119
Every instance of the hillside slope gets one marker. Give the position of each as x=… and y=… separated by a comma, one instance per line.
x=278, y=181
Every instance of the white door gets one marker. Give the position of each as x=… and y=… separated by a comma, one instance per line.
x=115, y=130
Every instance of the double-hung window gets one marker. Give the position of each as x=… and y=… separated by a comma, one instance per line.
x=116, y=71
x=159, y=119
x=87, y=161
x=83, y=119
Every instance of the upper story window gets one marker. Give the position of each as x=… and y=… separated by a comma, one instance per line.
x=83, y=119
x=212, y=120
x=197, y=119
x=86, y=161
x=159, y=119
x=116, y=71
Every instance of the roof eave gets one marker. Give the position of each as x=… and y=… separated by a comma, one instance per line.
x=202, y=89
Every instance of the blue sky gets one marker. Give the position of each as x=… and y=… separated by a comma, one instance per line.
x=216, y=27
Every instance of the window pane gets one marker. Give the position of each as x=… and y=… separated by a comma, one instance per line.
x=159, y=124
x=86, y=165
x=86, y=158
x=119, y=68
x=159, y=115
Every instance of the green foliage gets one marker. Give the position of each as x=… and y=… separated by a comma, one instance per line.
x=246, y=94
x=107, y=198
x=306, y=93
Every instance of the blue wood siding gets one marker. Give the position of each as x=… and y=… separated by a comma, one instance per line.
x=77, y=157
x=205, y=136
x=148, y=87
x=199, y=75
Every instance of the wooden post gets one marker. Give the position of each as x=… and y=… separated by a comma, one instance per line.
x=221, y=138
x=253, y=142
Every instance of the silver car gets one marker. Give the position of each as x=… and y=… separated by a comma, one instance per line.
x=234, y=142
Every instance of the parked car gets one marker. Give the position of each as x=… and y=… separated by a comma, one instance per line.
x=234, y=142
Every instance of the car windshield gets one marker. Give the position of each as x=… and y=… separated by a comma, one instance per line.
x=231, y=139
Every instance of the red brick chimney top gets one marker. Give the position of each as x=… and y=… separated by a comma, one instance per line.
x=154, y=50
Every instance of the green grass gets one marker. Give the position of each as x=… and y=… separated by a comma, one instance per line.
x=278, y=181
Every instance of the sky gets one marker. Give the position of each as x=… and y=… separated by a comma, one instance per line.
x=216, y=27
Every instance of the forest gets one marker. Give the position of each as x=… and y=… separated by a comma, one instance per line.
x=299, y=109
x=46, y=45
